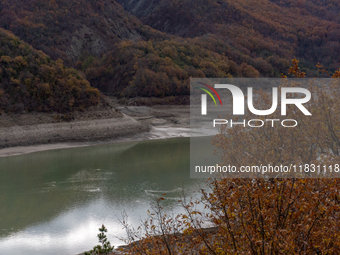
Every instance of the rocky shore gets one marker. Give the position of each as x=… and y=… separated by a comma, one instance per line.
x=36, y=132
x=79, y=131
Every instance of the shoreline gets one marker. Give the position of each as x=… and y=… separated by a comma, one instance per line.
x=138, y=123
x=153, y=134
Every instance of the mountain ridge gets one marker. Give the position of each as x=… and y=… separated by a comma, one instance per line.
x=151, y=48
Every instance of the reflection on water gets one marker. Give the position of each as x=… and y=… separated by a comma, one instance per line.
x=53, y=202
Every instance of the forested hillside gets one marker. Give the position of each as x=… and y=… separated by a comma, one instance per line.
x=261, y=33
x=151, y=48
x=159, y=68
x=31, y=81
x=69, y=29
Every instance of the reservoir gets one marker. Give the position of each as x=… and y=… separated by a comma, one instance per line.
x=53, y=202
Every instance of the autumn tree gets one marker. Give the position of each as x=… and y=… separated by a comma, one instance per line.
x=270, y=215
x=31, y=81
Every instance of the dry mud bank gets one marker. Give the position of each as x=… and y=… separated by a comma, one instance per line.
x=130, y=123
x=79, y=131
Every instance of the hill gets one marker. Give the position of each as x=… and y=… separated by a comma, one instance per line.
x=158, y=69
x=69, y=30
x=261, y=33
x=152, y=47
x=31, y=81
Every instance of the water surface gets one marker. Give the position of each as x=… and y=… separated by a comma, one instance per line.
x=53, y=202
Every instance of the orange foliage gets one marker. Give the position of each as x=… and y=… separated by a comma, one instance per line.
x=267, y=215
x=31, y=81
x=295, y=70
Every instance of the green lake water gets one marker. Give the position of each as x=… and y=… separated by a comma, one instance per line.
x=53, y=202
